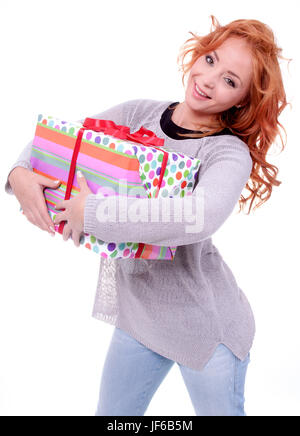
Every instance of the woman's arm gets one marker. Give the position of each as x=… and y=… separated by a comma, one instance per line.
x=22, y=161
x=213, y=200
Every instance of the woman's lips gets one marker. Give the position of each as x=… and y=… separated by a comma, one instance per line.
x=199, y=96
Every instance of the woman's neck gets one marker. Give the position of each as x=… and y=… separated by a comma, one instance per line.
x=182, y=116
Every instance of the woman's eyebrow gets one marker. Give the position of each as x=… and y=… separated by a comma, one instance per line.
x=215, y=53
x=230, y=72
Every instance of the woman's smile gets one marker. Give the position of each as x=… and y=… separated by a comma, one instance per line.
x=198, y=93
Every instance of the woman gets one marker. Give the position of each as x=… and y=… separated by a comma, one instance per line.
x=191, y=310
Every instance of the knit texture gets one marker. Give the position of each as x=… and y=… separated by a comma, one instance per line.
x=181, y=309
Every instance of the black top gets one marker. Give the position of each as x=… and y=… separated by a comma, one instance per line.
x=171, y=129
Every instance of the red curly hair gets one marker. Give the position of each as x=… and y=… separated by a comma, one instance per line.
x=256, y=123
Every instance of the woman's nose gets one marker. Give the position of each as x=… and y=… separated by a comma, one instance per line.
x=209, y=81
x=208, y=85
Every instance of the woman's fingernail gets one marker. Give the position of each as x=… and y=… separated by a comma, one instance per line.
x=57, y=181
x=79, y=173
x=52, y=229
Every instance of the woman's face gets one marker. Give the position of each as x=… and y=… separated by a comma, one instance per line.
x=223, y=75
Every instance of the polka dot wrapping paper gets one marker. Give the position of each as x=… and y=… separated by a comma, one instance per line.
x=110, y=166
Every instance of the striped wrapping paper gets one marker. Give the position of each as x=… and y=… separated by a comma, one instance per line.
x=110, y=166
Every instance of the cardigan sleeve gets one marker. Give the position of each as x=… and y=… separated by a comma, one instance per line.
x=176, y=221
x=120, y=114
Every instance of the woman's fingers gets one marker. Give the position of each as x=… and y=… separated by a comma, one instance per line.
x=43, y=213
x=28, y=187
x=46, y=182
x=76, y=237
x=35, y=218
x=66, y=232
x=38, y=214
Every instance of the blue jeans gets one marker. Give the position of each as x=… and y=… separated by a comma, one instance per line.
x=132, y=373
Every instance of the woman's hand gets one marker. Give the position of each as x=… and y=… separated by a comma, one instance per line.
x=28, y=187
x=74, y=211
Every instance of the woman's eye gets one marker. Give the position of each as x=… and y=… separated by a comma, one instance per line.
x=209, y=57
x=230, y=82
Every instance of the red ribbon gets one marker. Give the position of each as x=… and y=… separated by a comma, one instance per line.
x=122, y=132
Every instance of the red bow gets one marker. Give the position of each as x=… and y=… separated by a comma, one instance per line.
x=123, y=132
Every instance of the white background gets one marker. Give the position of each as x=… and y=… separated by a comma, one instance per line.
x=73, y=59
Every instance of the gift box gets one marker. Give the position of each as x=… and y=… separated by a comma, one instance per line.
x=112, y=160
